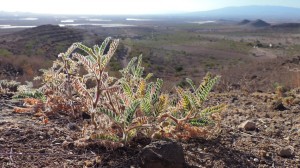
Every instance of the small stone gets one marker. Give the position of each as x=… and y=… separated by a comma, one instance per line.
x=42, y=151
x=247, y=125
x=248, y=103
x=51, y=131
x=296, y=101
x=262, y=153
x=263, y=162
x=286, y=152
x=88, y=163
x=2, y=140
x=68, y=138
x=98, y=160
x=65, y=144
x=256, y=160
x=73, y=126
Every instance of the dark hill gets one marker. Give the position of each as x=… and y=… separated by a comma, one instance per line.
x=245, y=21
x=256, y=24
x=287, y=25
x=259, y=23
x=45, y=40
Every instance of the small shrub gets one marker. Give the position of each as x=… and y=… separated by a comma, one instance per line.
x=125, y=107
x=9, y=85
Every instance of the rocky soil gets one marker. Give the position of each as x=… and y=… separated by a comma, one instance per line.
x=257, y=131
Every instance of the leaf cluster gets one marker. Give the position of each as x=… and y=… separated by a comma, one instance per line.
x=132, y=105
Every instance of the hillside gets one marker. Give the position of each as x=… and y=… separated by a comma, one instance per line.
x=45, y=40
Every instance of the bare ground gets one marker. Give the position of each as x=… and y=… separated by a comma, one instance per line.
x=25, y=141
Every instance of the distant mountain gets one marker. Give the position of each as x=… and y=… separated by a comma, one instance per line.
x=256, y=23
x=245, y=21
x=250, y=12
x=259, y=23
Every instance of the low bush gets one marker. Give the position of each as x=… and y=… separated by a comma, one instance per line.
x=129, y=106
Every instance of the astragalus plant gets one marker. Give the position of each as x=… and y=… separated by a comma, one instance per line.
x=129, y=106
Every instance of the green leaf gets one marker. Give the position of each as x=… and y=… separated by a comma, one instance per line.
x=205, y=87
x=157, y=91
x=191, y=84
x=148, y=76
x=200, y=122
x=127, y=89
x=125, y=71
x=87, y=63
x=129, y=113
x=214, y=109
x=106, y=58
x=146, y=106
x=103, y=46
x=102, y=136
x=110, y=114
x=86, y=49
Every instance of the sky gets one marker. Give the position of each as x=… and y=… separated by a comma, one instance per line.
x=109, y=7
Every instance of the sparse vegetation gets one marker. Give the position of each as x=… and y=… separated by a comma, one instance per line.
x=130, y=105
x=90, y=102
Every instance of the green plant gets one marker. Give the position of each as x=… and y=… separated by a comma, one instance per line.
x=186, y=115
x=123, y=108
x=9, y=85
x=26, y=91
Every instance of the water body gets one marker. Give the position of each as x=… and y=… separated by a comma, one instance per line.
x=137, y=19
x=98, y=20
x=67, y=21
x=102, y=25
x=203, y=22
x=14, y=27
x=29, y=19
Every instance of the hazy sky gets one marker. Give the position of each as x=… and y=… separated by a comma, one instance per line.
x=129, y=6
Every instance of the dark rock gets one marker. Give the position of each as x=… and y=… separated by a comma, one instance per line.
x=248, y=103
x=234, y=99
x=162, y=154
x=42, y=150
x=86, y=116
x=277, y=105
x=286, y=152
x=73, y=126
x=253, y=77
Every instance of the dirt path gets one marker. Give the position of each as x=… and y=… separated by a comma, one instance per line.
x=263, y=53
